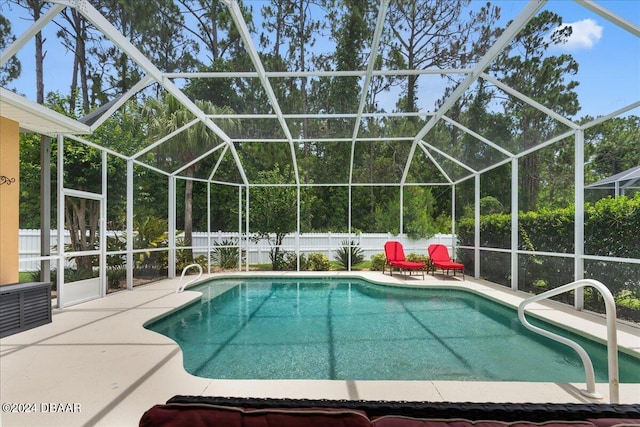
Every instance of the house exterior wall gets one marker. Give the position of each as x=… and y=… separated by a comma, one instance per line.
x=9, y=199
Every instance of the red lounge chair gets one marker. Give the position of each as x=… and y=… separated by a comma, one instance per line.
x=439, y=258
x=394, y=253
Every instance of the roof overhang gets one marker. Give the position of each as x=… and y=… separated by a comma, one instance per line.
x=33, y=117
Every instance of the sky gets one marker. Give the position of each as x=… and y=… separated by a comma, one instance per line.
x=608, y=56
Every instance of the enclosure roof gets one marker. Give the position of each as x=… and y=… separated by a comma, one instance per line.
x=423, y=147
x=627, y=179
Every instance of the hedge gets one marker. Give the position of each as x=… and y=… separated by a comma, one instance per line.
x=612, y=228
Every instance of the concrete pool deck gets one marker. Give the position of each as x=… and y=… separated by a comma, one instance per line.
x=95, y=364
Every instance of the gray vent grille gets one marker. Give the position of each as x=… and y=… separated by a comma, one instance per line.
x=24, y=306
x=9, y=312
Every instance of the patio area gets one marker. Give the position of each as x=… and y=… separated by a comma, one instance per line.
x=95, y=364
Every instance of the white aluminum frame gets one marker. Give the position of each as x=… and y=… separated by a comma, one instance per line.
x=154, y=75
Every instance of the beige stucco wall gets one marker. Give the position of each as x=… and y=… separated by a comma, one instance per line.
x=9, y=200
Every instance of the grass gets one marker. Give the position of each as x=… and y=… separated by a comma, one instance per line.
x=364, y=265
x=335, y=266
x=25, y=277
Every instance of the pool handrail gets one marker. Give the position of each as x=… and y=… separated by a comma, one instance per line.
x=180, y=288
x=612, y=337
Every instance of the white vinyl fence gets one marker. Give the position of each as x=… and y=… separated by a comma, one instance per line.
x=329, y=243
x=325, y=243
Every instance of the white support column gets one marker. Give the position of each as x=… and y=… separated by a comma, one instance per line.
x=130, y=261
x=401, y=213
x=454, y=238
x=60, y=223
x=208, y=227
x=45, y=207
x=103, y=228
x=579, y=217
x=349, y=221
x=514, y=223
x=298, y=228
x=242, y=243
x=476, y=233
x=172, y=227
x=349, y=195
x=247, y=211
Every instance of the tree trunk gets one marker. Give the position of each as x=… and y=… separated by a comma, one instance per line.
x=36, y=9
x=81, y=56
x=76, y=66
x=215, y=52
x=77, y=45
x=188, y=212
x=75, y=216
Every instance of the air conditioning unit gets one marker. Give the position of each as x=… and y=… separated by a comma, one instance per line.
x=24, y=306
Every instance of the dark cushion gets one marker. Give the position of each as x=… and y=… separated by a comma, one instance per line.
x=400, y=421
x=611, y=422
x=322, y=412
x=189, y=415
x=201, y=415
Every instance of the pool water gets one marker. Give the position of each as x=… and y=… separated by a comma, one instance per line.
x=351, y=330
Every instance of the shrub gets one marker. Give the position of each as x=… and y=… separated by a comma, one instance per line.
x=318, y=262
x=115, y=275
x=150, y=232
x=290, y=262
x=417, y=257
x=611, y=228
x=225, y=254
x=378, y=262
x=116, y=243
x=201, y=260
x=34, y=276
x=75, y=275
x=349, y=250
x=277, y=259
x=490, y=205
x=184, y=257
x=423, y=259
x=628, y=299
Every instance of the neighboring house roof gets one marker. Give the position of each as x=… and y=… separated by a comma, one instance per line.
x=621, y=181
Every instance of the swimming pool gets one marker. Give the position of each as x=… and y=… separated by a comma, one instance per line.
x=349, y=329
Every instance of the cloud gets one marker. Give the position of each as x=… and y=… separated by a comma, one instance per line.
x=585, y=35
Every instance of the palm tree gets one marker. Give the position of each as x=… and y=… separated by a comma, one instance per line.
x=166, y=115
